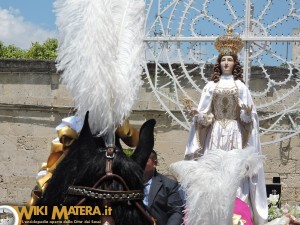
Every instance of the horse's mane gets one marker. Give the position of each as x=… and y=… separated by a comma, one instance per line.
x=84, y=165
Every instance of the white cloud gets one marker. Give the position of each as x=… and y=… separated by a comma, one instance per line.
x=15, y=30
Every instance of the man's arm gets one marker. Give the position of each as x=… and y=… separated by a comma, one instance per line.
x=175, y=205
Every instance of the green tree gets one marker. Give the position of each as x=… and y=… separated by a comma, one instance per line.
x=2, y=48
x=11, y=52
x=44, y=51
x=47, y=50
x=51, y=45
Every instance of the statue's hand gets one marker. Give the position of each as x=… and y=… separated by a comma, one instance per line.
x=247, y=108
x=188, y=103
x=193, y=112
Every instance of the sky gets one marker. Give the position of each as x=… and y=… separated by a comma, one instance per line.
x=23, y=22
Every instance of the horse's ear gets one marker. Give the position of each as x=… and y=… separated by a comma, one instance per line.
x=85, y=138
x=146, y=143
x=117, y=141
x=85, y=131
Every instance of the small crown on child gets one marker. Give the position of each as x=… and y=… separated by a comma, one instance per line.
x=229, y=43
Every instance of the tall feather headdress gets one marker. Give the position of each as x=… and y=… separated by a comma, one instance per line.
x=100, y=55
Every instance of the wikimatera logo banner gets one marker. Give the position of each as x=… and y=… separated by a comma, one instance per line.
x=16, y=215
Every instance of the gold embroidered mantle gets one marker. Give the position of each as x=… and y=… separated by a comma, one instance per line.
x=225, y=105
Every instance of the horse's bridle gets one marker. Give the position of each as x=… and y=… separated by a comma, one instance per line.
x=108, y=195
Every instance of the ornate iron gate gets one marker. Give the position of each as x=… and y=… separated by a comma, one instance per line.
x=179, y=39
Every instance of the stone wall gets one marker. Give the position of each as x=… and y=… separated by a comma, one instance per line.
x=33, y=102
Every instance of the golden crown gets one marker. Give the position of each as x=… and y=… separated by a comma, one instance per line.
x=229, y=43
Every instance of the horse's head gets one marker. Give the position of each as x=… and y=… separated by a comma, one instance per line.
x=87, y=165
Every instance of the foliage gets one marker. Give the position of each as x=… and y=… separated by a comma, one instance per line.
x=128, y=151
x=11, y=51
x=46, y=51
x=285, y=65
x=291, y=212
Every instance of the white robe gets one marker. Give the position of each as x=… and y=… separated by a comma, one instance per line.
x=217, y=136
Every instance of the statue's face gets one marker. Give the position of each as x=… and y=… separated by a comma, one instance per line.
x=227, y=63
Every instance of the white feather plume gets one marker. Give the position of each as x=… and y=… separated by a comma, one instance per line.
x=100, y=55
x=211, y=183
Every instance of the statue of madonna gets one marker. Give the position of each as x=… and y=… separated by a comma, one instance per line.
x=225, y=121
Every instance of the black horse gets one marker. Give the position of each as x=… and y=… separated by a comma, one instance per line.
x=90, y=174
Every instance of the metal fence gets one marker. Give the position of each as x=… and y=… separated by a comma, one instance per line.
x=179, y=37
